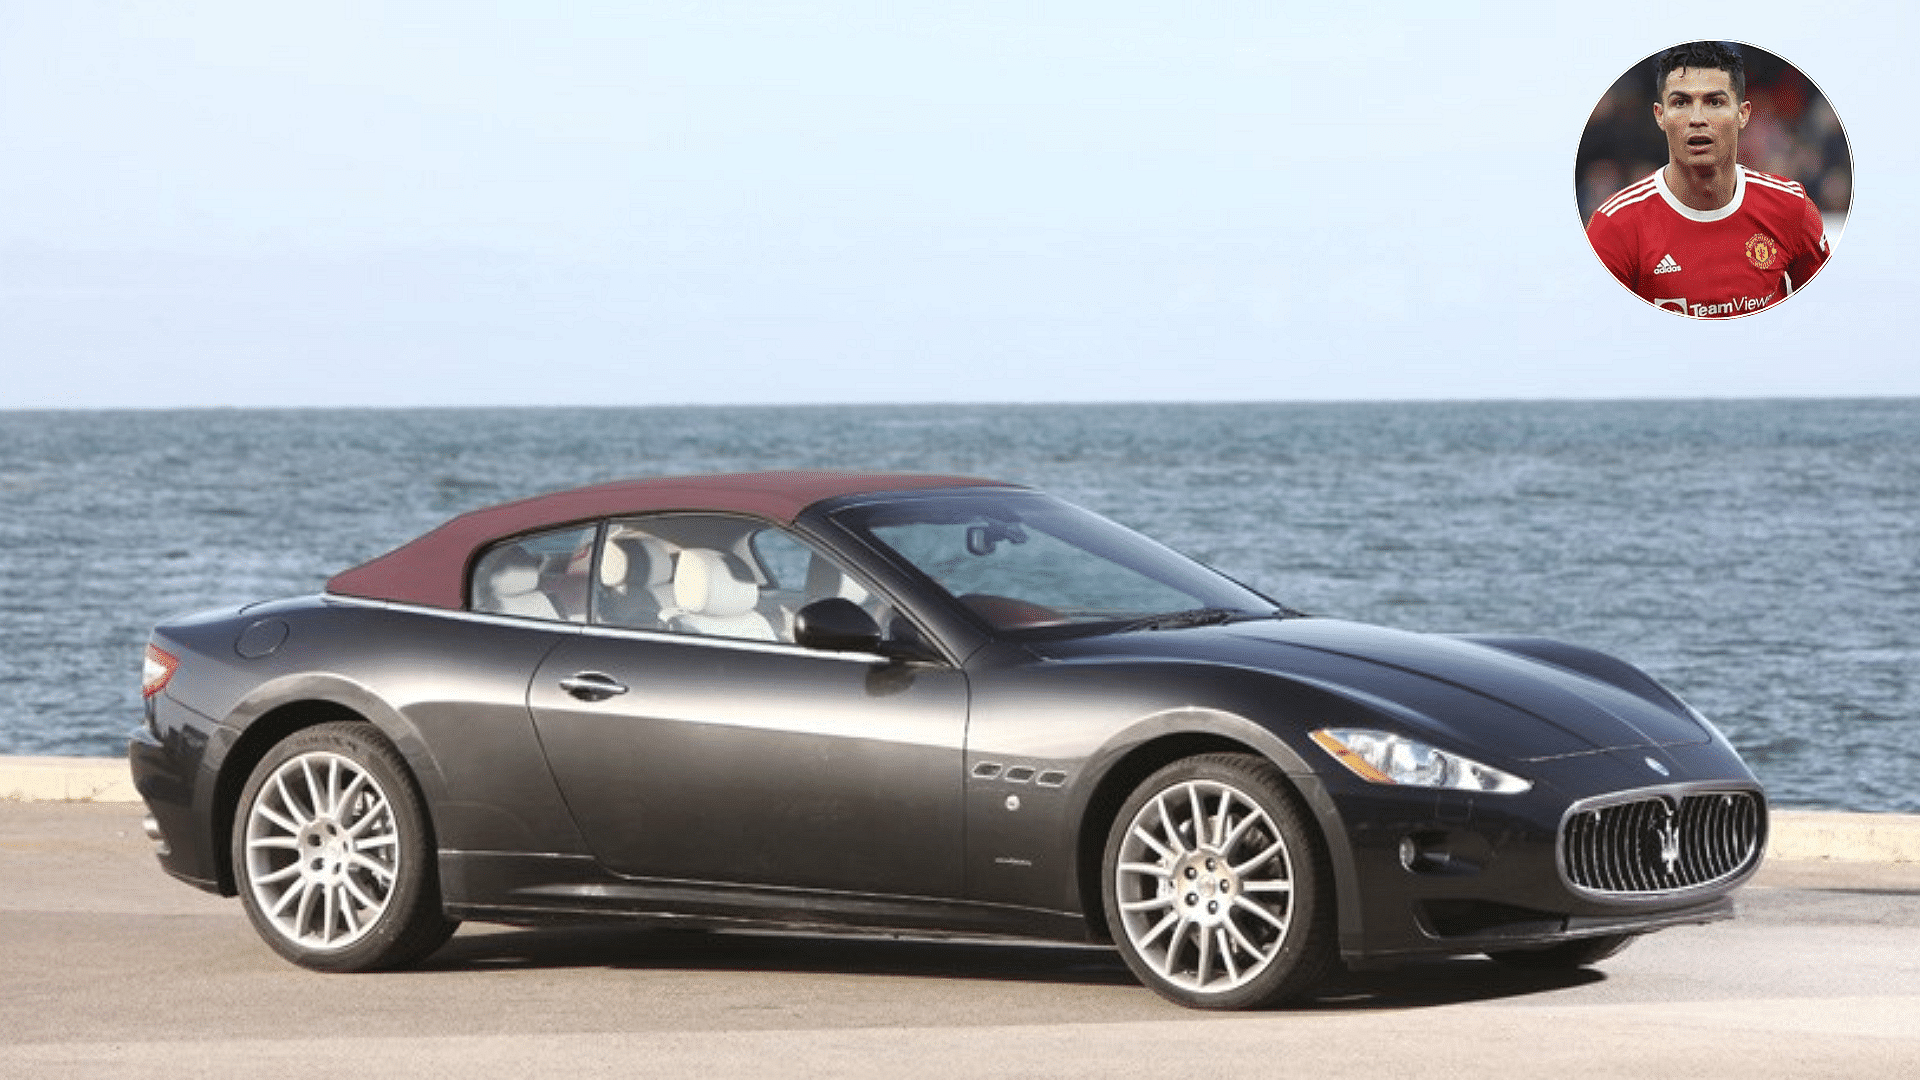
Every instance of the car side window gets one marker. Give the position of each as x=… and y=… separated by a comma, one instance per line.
x=633, y=587
x=783, y=557
x=690, y=574
x=539, y=576
x=714, y=575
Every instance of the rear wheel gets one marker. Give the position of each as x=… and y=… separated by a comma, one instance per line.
x=1568, y=954
x=1216, y=887
x=334, y=856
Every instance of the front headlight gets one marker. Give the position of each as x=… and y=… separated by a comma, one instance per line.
x=1381, y=757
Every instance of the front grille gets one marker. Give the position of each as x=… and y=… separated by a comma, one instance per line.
x=1663, y=843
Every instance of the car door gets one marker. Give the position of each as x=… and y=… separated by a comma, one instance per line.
x=696, y=756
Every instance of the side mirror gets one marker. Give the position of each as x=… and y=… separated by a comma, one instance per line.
x=836, y=624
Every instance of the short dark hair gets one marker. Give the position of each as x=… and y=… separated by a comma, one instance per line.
x=1723, y=55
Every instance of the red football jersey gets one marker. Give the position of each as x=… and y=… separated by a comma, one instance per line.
x=1736, y=260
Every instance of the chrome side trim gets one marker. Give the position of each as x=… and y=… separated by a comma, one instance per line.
x=458, y=614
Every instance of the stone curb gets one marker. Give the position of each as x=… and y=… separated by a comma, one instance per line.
x=66, y=779
x=1826, y=836
x=1798, y=835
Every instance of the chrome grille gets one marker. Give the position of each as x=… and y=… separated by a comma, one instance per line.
x=1658, y=844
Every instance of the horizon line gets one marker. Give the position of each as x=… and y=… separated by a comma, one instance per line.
x=954, y=403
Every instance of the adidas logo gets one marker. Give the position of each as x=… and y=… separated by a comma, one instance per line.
x=1667, y=266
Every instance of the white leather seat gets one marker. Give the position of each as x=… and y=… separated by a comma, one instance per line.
x=636, y=581
x=638, y=566
x=656, y=579
x=516, y=591
x=710, y=600
x=613, y=565
x=824, y=579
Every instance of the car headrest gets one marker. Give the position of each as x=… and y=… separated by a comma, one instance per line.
x=514, y=578
x=703, y=584
x=613, y=565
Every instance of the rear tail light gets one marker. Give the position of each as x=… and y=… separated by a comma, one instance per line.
x=157, y=670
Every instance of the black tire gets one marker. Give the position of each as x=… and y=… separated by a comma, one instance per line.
x=334, y=856
x=1566, y=955
x=1251, y=923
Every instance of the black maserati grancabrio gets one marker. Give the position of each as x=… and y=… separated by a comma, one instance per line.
x=916, y=704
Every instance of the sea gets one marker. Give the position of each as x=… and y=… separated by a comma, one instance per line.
x=1760, y=557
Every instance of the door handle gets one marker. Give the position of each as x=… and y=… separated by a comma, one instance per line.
x=592, y=686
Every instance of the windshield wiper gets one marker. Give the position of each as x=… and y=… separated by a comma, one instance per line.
x=1176, y=620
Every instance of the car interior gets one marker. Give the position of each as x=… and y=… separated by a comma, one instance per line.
x=706, y=574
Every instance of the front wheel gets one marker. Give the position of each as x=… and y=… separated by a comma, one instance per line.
x=334, y=855
x=1217, y=888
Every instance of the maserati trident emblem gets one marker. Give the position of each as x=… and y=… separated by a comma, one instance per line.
x=1669, y=836
x=1657, y=767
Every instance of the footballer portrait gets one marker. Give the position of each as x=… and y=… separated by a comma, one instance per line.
x=1713, y=180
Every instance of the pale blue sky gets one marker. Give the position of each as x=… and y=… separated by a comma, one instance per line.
x=649, y=203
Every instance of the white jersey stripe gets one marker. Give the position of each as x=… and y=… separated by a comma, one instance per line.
x=1617, y=203
x=1791, y=187
x=1632, y=193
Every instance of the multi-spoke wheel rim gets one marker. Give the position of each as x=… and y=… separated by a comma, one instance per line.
x=1205, y=886
x=323, y=852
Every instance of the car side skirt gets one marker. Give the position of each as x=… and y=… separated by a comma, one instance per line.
x=526, y=888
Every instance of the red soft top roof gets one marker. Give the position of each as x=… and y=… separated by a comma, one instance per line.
x=432, y=570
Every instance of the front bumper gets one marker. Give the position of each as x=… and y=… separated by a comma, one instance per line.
x=1452, y=873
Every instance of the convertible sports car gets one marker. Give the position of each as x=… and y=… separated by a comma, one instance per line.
x=917, y=704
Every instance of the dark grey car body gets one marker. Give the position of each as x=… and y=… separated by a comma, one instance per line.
x=966, y=785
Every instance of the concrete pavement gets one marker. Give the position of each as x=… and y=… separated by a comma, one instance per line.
x=113, y=969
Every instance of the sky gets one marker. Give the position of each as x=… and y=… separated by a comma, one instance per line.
x=646, y=203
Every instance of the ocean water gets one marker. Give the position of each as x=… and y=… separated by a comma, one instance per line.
x=1762, y=558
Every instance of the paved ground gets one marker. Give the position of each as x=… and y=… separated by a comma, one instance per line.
x=112, y=969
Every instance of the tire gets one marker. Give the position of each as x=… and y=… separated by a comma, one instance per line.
x=1566, y=955
x=334, y=856
x=1217, y=889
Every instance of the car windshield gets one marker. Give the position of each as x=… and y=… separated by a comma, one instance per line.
x=1021, y=560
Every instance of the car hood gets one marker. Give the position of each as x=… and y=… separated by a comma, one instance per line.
x=1466, y=691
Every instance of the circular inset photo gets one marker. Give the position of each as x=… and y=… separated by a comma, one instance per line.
x=1713, y=179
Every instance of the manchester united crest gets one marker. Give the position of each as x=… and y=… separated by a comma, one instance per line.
x=1763, y=251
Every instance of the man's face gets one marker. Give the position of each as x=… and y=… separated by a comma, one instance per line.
x=1700, y=117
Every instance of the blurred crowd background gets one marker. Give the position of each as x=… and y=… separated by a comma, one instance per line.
x=1793, y=132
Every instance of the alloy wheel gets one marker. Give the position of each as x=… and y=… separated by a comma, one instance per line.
x=1204, y=883
x=322, y=850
